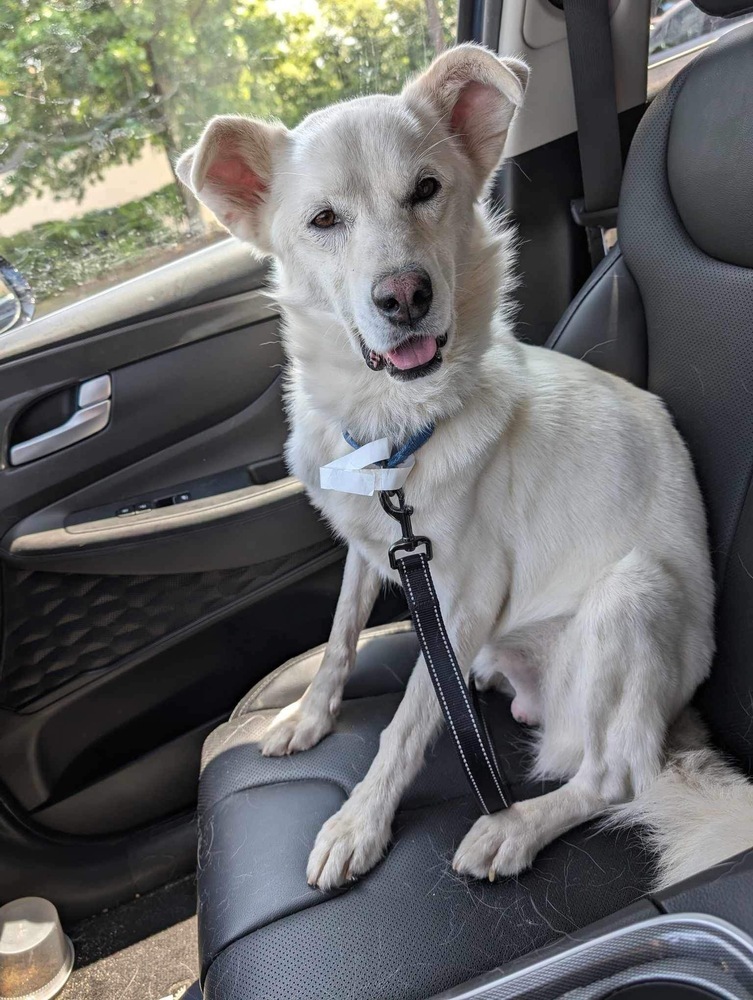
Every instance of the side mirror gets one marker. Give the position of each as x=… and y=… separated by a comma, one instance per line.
x=17, y=300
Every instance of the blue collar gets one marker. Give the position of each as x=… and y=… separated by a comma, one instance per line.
x=414, y=442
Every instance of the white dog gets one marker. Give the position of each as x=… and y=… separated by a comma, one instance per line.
x=569, y=535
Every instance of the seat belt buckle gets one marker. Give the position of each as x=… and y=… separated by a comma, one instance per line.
x=602, y=218
x=603, y=221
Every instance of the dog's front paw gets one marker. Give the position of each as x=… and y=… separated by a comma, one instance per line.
x=496, y=846
x=348, y=845
x=297, y=727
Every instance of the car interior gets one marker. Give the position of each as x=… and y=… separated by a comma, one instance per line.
x=166, y=587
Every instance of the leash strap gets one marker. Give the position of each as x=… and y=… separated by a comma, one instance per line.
x=459, y=705
x=372, y=468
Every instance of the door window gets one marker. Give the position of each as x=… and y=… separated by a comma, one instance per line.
x=98, y=98
x=679, y=30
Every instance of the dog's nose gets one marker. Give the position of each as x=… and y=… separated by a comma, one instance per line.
x=403, y=297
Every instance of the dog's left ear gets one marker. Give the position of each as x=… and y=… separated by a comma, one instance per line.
x=478, y=93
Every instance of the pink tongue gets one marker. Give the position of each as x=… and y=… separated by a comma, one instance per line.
x=413, y=353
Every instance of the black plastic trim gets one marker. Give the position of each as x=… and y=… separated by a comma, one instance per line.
x=492, y=24
x=223, y=271
x=83, y=875
x=471, y=21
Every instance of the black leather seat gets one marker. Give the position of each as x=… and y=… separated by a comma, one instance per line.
x=671, y=310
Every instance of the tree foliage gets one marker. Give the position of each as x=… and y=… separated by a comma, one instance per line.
x=58, y=256
x=84, y=84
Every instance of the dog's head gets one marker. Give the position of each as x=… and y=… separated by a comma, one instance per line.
x=368, y=204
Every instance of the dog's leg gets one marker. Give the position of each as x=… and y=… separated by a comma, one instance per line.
x=354, y=839
x=487, y=672
x=607, y=705
x=308, y=720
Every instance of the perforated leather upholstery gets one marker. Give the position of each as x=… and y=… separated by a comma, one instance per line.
x=699, y=317
x=672, y=310
x=411, y=927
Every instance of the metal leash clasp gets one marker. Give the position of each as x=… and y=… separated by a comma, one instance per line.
x=402, y=513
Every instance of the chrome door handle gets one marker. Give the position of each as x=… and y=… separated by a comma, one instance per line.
x=91, y=417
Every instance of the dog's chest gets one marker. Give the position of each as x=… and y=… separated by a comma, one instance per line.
x=360, y=520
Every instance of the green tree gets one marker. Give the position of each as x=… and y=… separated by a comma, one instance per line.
x=355, y=47
x=85, y=83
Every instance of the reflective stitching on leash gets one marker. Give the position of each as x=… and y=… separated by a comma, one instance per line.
x=459, y=677
x=430, y=664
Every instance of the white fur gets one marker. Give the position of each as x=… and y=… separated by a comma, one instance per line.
x=698, y=812
x=569, y=533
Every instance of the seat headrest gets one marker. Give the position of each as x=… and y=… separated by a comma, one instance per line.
x=710, y=149
x=724, y=8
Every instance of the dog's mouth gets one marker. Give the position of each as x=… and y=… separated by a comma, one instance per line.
x=414, y=358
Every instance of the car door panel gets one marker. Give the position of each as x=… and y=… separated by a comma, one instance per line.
x=118, y=747
x=128, y=637
x=61, y=626
x=131, y=521
x=212, y=277
x=168, y=381
x=228, y=530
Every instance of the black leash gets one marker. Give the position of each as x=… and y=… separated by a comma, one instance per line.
x=459, y=703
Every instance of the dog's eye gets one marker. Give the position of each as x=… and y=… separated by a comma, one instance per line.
x=426, y=188
x=325, y=219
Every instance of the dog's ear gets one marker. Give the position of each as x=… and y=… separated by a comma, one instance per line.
x=230, y=169
x=478, y=94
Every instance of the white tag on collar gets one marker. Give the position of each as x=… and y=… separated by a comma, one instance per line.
x=357, y=473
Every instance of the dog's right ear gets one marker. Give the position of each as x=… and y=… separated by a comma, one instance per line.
x=230, y=170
